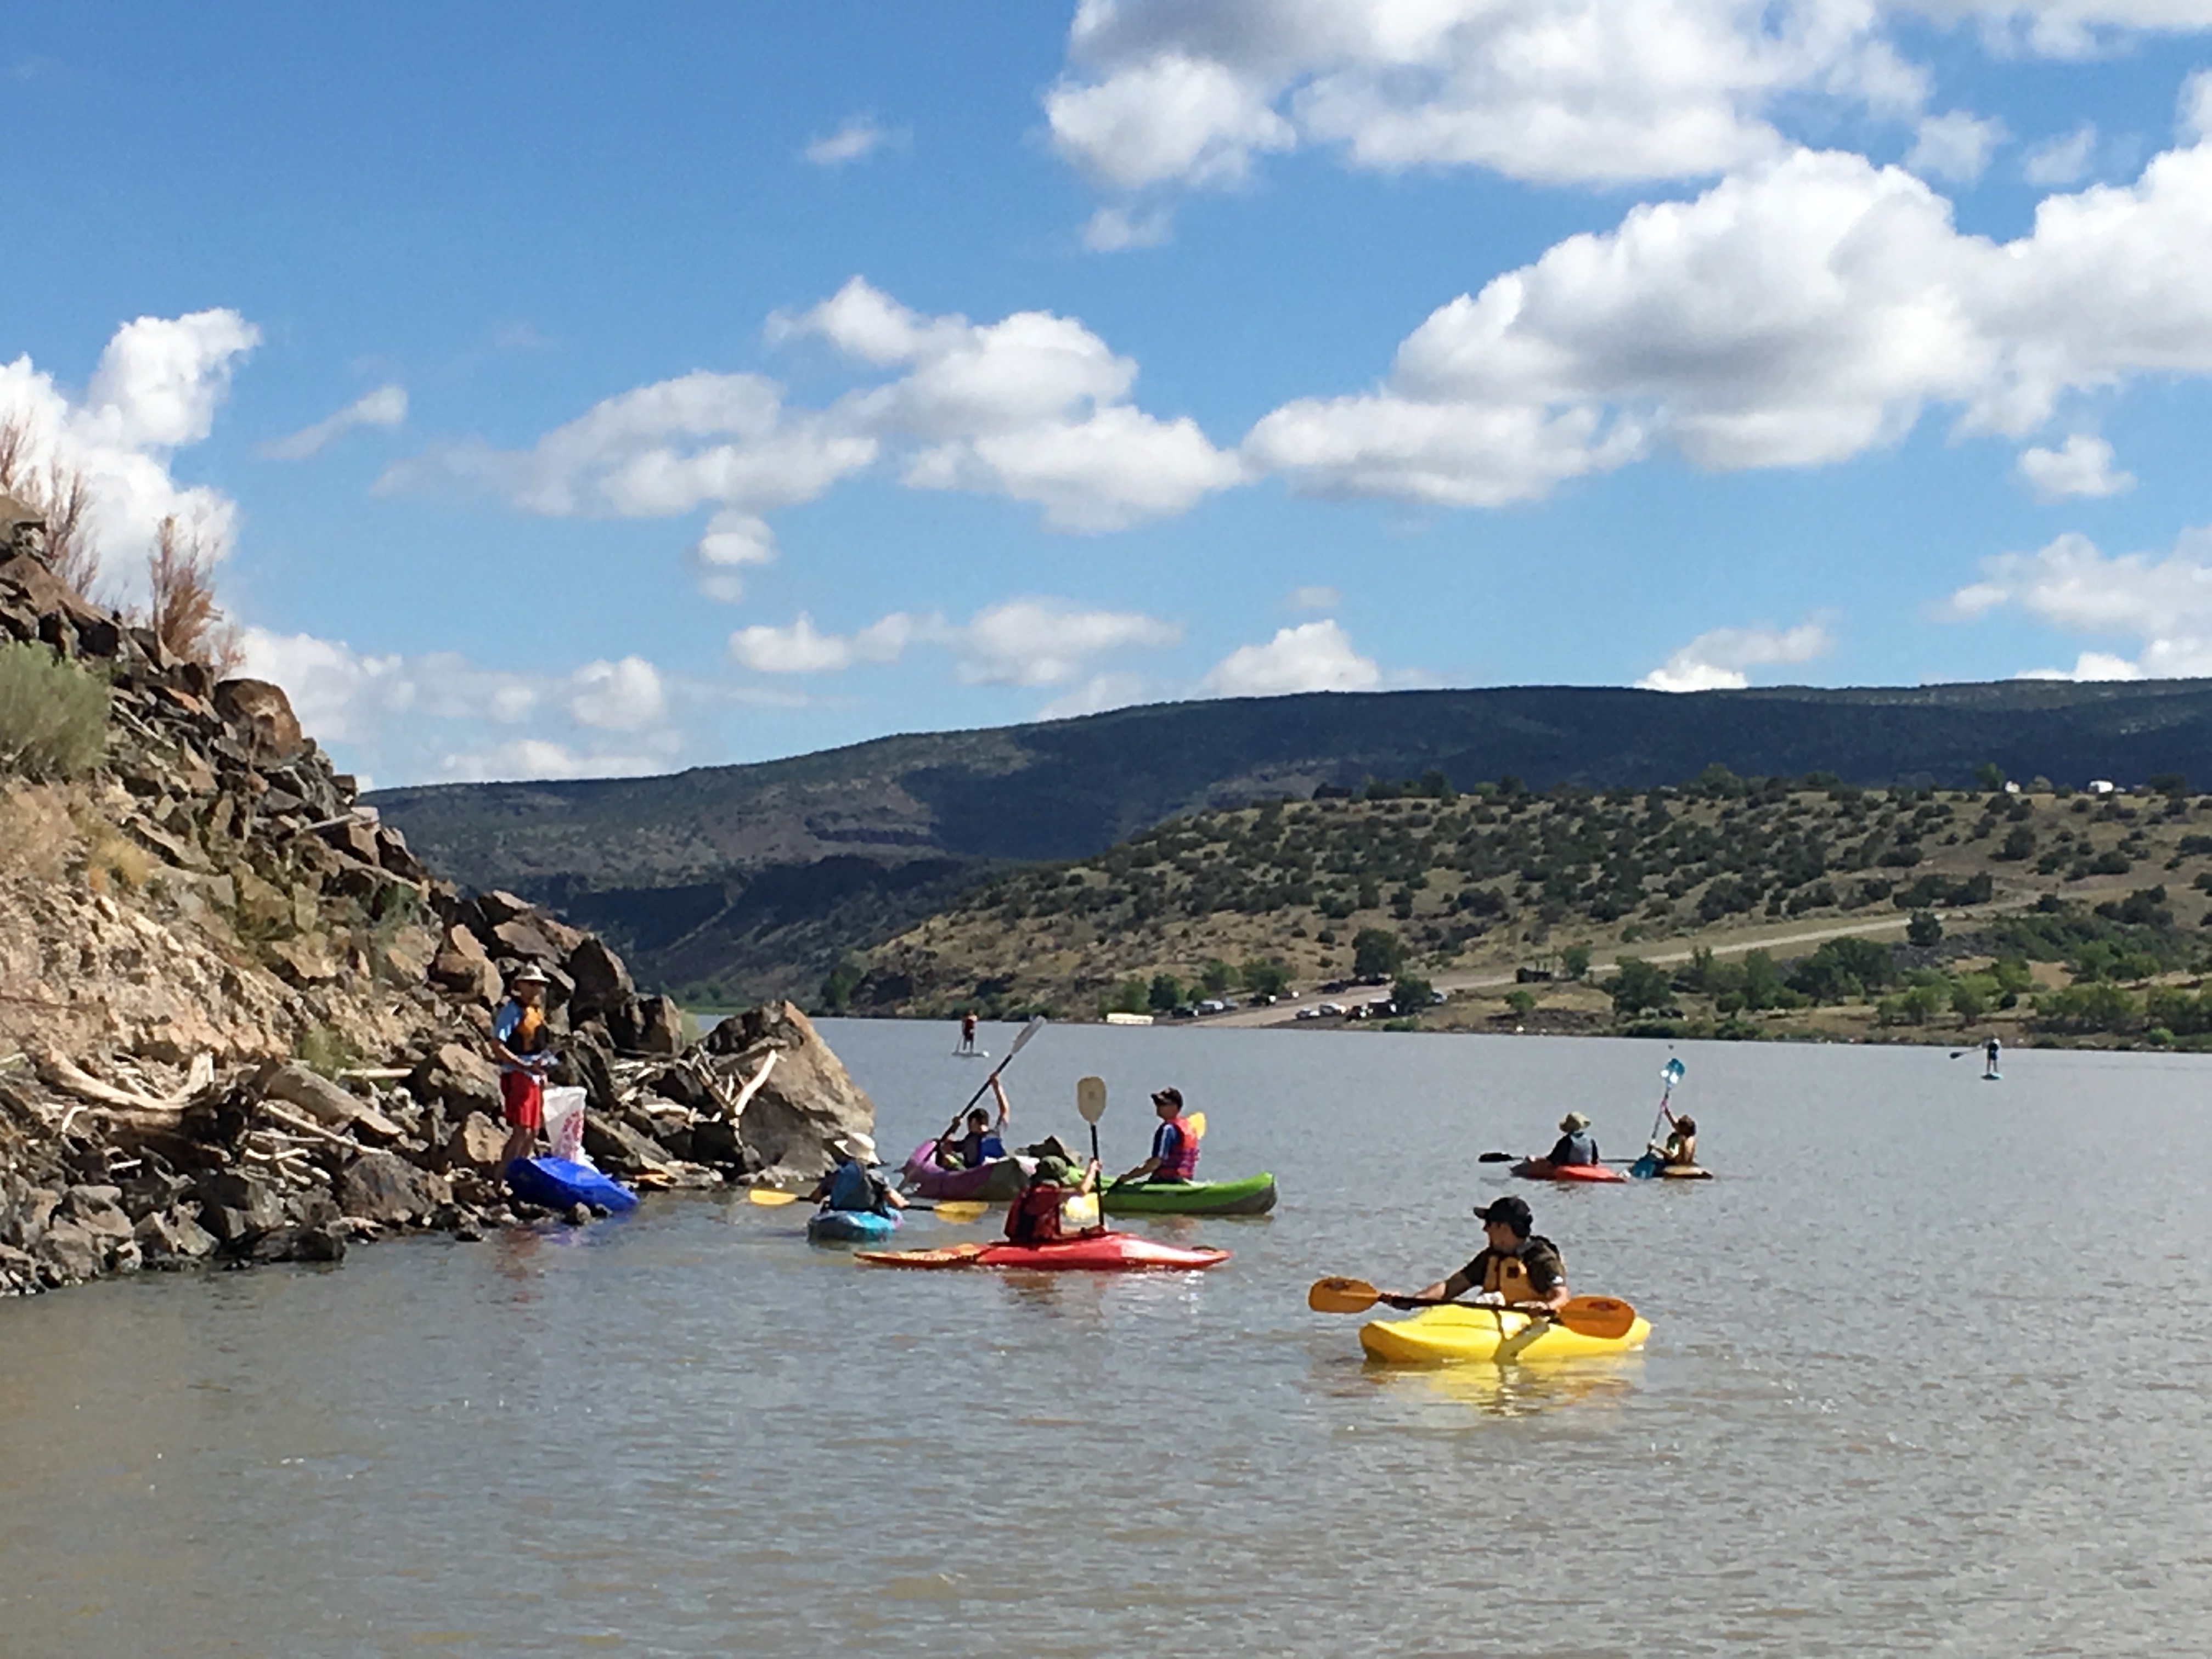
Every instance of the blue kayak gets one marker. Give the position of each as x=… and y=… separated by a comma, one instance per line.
x=559, y=1183
x=862, y=1226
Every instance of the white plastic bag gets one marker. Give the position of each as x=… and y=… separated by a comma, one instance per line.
x=564, y=1124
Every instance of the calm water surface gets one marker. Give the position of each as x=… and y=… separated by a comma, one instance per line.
x=1929, y=1375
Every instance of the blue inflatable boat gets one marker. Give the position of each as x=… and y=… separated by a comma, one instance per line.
x=853, y=1226
x=559, y=1183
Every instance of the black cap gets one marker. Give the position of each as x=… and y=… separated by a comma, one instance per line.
x=1173, y=1097
x=1513, y=1211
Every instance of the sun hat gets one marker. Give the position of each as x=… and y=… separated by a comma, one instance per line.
x=1055, y=1171
x=529, y=974
x=1574, y=1123
x=855, y=1144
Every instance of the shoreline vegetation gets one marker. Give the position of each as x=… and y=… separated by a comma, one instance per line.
x=1798, y=909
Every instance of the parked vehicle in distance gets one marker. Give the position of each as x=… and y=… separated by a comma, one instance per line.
x=1328, y=1008
x=1185, y=1012
x=1438, y=997
x=1308, y=1013
x=1214, y=1005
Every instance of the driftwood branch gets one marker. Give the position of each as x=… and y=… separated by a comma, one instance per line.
x=304, y=1126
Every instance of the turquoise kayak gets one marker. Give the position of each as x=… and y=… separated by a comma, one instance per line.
x=1253, y=1195
x=850, y=1226
x=559, y=1183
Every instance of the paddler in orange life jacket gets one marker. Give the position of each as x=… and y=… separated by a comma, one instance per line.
x=522, y=1044
x=1034, y=1216
x=1516, y=1269
x=1174, y=1144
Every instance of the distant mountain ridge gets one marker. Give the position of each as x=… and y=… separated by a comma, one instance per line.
x=756, y=878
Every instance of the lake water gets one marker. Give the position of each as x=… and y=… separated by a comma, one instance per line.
x=1929, y=1375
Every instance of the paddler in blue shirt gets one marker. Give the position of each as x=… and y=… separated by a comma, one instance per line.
x=854, y=1184
x=984, y=1140
x=1174, y=1143
x=522, y=1044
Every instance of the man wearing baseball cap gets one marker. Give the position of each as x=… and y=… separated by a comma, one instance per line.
x=1174, y=1143
x=1515, y=1269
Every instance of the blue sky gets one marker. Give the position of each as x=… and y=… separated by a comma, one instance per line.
x=575, y=389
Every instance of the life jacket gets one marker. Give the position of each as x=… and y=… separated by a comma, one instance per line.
x=855, y=1188
x=1184, y=1161
x=1034, y=1216
x=531, y=1035
x=1508, y=1275
x=1579, y=1149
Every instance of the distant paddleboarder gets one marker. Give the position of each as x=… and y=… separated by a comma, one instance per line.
x=967, y=1032
x=1989, y=1052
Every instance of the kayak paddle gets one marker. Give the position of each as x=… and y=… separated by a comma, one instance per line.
x=1671, y=1074
x=1197, y=1121
x=954, y=1210
x=1601, y=1316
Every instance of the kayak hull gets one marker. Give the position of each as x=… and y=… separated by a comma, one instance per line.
x=1537, y=1169
x=1253, y=1195
x=561, y=1183
x=1648, y=1168
x=995, y=1182
x=1438, y=1336
x=850, y=1226
x=1094, y=1252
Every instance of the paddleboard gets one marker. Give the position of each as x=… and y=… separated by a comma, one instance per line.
x=971, y=1054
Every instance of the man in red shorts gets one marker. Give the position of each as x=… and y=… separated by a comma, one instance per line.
x=523, y=1045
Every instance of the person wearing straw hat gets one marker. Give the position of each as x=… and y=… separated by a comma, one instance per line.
x=522, y=1044
x=1576, y=1144
x=854, y=1184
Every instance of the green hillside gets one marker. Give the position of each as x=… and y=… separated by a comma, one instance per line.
x=755, y=879
x=1418, y=879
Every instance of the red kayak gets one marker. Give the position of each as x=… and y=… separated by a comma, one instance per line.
x=1091, y=1253
x=1537, y=1169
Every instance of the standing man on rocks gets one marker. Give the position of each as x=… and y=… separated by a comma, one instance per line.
x=523, y=1045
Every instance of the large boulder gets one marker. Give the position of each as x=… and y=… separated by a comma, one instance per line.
x=476, y=1143
x=809, y=1099
x=463, y=968
x=237, y=1207
x=385, y=1188
x=458, y=1078
x=603, y=983
x=260, y=716
x=648, y=1025
x=324, y=1101
x=172, y=1238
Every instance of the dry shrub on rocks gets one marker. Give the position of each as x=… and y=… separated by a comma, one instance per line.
x=181, y=609
x=61, y=494
x=53, y=714
x=37, y=836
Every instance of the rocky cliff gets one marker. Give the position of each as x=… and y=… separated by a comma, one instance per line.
x=239, y=1018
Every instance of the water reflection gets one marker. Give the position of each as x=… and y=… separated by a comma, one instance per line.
x=1511, y=1391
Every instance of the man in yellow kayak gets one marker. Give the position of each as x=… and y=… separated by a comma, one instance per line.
x=1515, y=1269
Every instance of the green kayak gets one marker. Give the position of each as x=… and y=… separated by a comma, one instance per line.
x=1254, y=1196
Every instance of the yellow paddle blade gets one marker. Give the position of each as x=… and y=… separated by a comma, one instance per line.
x=1081, y=1211
x=961, y=1209
x=1341, y=1295
x=770, y=1198
x=1198, y=1124
x=1601, y=1316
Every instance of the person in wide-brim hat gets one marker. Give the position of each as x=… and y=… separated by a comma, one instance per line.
x=1576, y=1147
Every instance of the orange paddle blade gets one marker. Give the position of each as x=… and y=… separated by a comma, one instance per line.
x=1341, y=1295
x=1601, y=1316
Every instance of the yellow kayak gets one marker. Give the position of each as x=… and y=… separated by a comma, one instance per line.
x=1496, y=1334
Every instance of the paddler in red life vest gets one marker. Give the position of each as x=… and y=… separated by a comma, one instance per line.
x=523, y=1045
x=1034, y=1216
x=1174, y=1144
x=1515, y=1269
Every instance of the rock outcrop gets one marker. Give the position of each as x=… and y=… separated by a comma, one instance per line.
x=240, y=1021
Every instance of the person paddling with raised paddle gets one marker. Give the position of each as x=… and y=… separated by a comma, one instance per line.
x=1516, y=1269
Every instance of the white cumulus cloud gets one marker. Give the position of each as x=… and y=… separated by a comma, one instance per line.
x=439, y=717
x=1718, y=661
x=1957, y=146
x=1315, y=656
x=1798, y=314
x=1026, y=641
x=2061, y=161
x=2082, y=466
x=2159, y=608
x=856, y=139
x=155, y=390
x=386, y=406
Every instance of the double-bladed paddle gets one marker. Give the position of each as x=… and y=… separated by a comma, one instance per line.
x=1604, y=1317
x=769, y=1198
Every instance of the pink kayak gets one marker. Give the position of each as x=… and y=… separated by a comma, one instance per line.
x=1537, y=1169
x=1090, y=1253
x=995, y=1182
